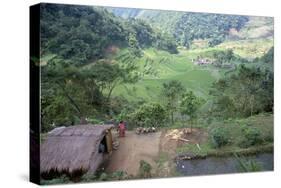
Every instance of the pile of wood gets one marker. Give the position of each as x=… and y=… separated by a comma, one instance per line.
x=145, y=130
x=177, y=134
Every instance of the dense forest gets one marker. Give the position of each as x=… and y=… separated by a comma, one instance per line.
x=186, y=27
x=81, y=34
x=214, y=27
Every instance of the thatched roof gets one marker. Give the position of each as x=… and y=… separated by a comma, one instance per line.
x=70, y=149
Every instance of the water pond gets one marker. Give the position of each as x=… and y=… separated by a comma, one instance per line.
x=221, y=165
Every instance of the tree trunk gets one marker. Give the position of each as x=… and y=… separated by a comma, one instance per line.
x=83, y=121
x=191, y=122
x=110, y=91
x=252, y=104
x=71, y=100
x=172, y=117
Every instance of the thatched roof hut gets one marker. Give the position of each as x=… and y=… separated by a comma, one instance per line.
x=75, y=149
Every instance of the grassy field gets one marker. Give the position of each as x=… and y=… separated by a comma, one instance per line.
x=157, y=67
x=161, y=67
x=234, y=128
x=249, y=48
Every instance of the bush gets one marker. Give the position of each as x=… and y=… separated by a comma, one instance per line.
x=145, y=169
x=247, y=165
x=60, y=180
x=104, y=177
x=252, y=136
x=219, y=137
x=119, y=175
x=94, y=120
x=89, y=177
x=149, y=115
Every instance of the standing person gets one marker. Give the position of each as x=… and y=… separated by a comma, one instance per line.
x=121, y=128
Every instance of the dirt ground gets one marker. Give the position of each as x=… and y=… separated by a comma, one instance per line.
x=150, y=147
x=132, y=149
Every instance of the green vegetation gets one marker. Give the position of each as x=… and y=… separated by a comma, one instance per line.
x=62, y=104
x=190, y=105
x=148, y=115
x=256, y=28
x=186, y=27
x=244, y=136
x=80, y=34
x=206, y=26
x=61, y=180
x=172, y=91
x=252, y=87
x=145, y=169
x=247, y=165
x=150, y=68
x=219, y=137
x=89, y=177
x=252, y=137
x=249, y=48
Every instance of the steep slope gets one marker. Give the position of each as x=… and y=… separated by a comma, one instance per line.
x=78, y=33
x=187, y=26
x=81, y=34
x=256, y=28
x=162, y=20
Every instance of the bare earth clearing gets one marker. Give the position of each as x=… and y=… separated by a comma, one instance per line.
x=132, y=149
x=149, y=147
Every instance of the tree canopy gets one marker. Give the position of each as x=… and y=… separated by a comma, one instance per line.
x=81, y=34
x=214, y=27
x=244, y=94
x=172, y=91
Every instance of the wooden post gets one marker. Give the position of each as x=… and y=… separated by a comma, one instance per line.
x=108, y=137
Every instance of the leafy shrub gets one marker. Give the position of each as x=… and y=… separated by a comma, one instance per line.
x=104, y=176
x=247, y=165
x=148, y=115
x=219, y=137
x=89, y=177
x=145, y=169
x=93, y=120
x=119, y=175
x=269, y=138
x=252, y=137
x=60, y=180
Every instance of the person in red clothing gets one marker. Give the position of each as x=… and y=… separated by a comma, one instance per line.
x=121, y=128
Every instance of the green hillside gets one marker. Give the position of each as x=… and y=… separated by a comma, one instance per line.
x=187, y=26
x=194, y=85
x=249, y=48
x=163, y=67
x=256, y=28
x=161, y=20
x=100, y=62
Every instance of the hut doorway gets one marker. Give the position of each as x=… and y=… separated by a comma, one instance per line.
x=106, y=143
x=102, y=146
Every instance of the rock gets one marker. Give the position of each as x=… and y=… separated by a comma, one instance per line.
x=138, y=130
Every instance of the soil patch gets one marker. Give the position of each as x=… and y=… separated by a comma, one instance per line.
x=132, y=149
x=158, y=149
